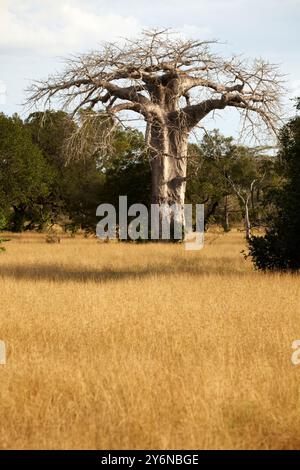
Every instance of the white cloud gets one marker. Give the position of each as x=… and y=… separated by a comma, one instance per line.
x=35, y=32
x=56, y=27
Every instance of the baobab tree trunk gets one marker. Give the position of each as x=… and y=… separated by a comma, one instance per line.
x=168, y=166
x=168, y=157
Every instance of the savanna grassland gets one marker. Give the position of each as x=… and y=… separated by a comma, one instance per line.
x=146, y=346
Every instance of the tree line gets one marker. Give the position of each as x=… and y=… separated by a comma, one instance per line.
x=246, y=186
x=40, y=187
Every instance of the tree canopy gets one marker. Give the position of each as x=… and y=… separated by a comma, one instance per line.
x=279, y=249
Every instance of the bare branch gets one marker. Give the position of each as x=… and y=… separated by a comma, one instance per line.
x=172, y=83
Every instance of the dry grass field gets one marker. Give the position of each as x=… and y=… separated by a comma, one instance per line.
x=146, y=346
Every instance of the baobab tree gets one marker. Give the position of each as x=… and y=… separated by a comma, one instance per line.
x=172, y=84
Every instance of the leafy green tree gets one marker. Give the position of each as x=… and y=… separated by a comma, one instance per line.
x=279, y=249
x=97, y=178
x=92, y=176
x=230, y=179
x=24, y=174
x=205, y=183
x=128, y=171
x=49, y=131
x=81, y=187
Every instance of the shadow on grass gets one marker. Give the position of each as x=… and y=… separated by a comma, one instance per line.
x=175, y=267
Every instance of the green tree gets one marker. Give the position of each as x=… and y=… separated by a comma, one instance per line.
x=49, y=131
x=98, y=178
x=81, y=187
x=128, y=171
x=279, y=249
x=230, y=179
x=25, y=176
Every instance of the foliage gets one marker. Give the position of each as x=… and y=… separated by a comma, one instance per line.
x=50, y=131
x=24, y=174
x=128, y=173
x=279, y=249
x=40, y=188
x=219, y=169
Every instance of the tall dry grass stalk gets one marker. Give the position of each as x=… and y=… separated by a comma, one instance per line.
x=146, y=346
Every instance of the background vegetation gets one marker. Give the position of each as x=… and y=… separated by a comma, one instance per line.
x=40, y=188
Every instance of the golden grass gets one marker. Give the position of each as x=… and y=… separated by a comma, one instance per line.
x=146, y=346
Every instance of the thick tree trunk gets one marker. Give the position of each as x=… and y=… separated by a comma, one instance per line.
x=169, y=165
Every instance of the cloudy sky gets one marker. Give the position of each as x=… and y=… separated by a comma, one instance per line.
x=35, y=35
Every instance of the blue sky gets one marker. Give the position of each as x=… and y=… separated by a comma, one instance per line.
x=35, y=35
